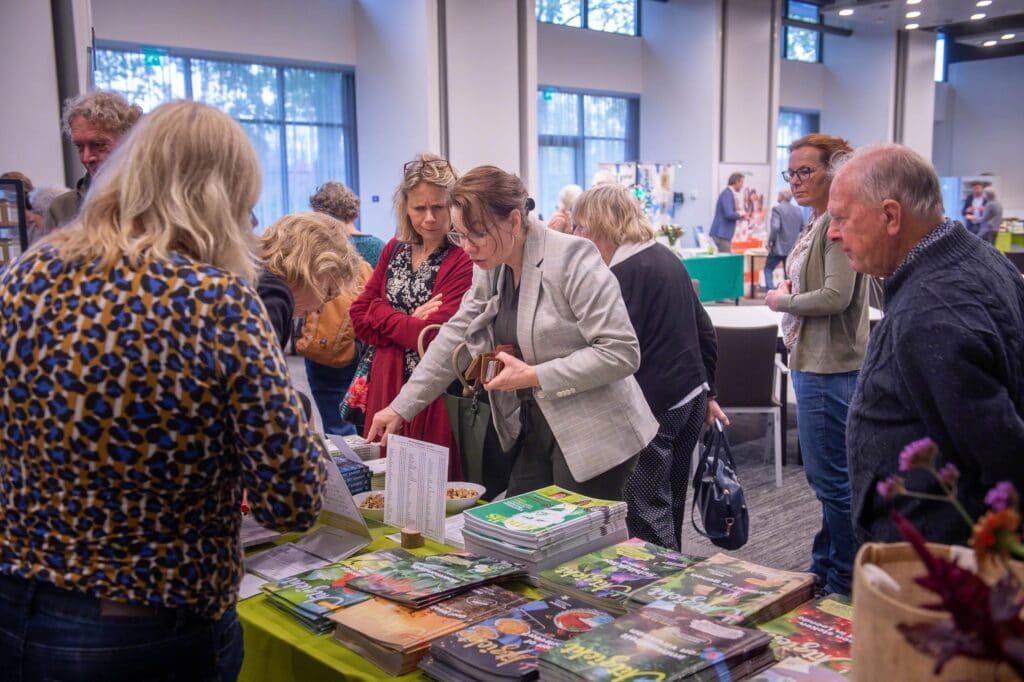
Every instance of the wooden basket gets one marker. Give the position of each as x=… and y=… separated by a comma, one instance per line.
x=879, y=650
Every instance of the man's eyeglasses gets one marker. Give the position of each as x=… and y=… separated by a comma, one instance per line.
x=459, y=239
x=415, y=165
x=801, y=173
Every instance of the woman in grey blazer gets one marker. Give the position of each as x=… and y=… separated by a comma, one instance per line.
x=566, y=399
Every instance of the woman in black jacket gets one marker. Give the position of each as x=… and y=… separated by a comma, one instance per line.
x=678, y=352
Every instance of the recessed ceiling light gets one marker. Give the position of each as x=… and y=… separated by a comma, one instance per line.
x=845, y=12
x=989, y=43
x=913, y=2
x=984, y=3
x=913, y=15
x=1008, y=36
x=979, y=15
x=911, y=27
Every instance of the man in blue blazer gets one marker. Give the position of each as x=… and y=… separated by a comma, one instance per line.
x=726, y=214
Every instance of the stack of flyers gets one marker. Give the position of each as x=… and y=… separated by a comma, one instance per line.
x=356, y=474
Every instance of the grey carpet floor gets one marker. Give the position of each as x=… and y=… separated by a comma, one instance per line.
x=783, y=520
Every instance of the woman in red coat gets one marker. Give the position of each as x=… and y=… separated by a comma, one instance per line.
x=419, y=280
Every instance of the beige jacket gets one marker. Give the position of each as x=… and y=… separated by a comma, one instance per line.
x=574, y=329
x=833, y=311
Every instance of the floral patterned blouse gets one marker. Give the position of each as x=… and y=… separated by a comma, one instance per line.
x=408, y=289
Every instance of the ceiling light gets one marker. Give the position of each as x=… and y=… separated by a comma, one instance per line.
x=1008, y=36
x=913, y=15
x=913, y=2
x=845, y=12
x=984, y=3
x=989, y=43
x=979, y=15
x=911, y=27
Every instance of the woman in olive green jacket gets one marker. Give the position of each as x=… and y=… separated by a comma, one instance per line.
x=826, y=328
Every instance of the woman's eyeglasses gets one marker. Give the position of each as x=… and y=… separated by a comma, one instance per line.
x=459, y=239
x=579, y=229
x=419, y=164
x=800, y=173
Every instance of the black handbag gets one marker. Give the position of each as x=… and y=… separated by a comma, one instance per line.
x=718, y=497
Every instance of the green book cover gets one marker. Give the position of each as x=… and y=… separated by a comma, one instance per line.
x=323, y=590
x=731, y=590
x=663, y=641
x=613, y=573
x=422, y=578
x=530, y=513
x=819, y=633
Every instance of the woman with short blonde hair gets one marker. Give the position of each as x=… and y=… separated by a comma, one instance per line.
x=678, y=355
x=423, y=172
x=561, y=219
x=152, y=392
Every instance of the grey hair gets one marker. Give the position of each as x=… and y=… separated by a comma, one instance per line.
x=787, y=195
x=42, y=197
x=989, y=193
x=568, y=195
x=893, y=171
x=107, y=110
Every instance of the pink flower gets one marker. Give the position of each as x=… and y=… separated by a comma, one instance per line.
x=919, y=454
x=949, y=475
x=891, y=487
x=1002, y=496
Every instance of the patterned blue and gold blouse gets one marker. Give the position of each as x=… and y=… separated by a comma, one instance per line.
x=135, y=404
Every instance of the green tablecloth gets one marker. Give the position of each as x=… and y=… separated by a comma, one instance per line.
x=278, y=649
x=720, y=275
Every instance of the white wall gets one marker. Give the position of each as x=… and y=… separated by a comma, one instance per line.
x=983, y=131
x=483, y=93
x=860, y=85
x=679, y=104
x=589, y=60
x=397, y=99
x=919, y=93
x=30, y=117
x=748, y=109
x=315, y=31
x=802, y=85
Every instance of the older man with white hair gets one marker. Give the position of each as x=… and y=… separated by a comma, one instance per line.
x=947, y=360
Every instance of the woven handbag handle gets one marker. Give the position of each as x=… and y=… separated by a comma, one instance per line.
x=419, y=339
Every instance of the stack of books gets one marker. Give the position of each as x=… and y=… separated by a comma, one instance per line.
x=378, y=467
x=506, y=647
x=312, y=596
x=356, y=474
x=662, y=641
x=730, y=590
x=605, y=578
x=813, y=641
x=395, y=637
x=421, y=581
x=544, y=528
x=366, y=451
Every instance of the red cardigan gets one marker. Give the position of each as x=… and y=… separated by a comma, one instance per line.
x=391, y=332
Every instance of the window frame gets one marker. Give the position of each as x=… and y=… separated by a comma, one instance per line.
x=280, y=120
x=585, y=20
x=784, y=34
x=579, y=140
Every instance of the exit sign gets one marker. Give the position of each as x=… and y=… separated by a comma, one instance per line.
x=153, y=56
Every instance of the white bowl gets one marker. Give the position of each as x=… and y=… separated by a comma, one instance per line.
x=454, y=506
x=371, y=514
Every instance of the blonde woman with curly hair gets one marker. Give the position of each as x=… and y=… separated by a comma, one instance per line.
x=148, y=390
x=419, y=281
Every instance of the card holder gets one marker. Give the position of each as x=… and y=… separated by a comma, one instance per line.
x=486, y=366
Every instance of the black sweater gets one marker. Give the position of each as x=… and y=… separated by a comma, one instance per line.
x=277, y=299
x=946, y=361
x=678, y=347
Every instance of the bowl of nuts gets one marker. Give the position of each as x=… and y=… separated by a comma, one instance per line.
x=462, y=496
x=371, y=504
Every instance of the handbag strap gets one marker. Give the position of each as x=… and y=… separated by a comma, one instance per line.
x=419, y=339
x=714, y=444
x=467, y=388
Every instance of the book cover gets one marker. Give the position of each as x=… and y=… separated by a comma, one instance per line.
x=662, y=641
x=797, y=670
x=819, y=633
x=730, y=590
x=528, y=513
x=613, y=573
x=423, y=579
x=507, y=646
x=322, y=590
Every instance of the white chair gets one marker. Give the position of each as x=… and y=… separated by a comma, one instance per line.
x=747, y=379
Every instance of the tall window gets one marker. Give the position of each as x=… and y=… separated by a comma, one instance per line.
x=793, y=124
x=577, y=132
x=611, y=16
x=802, y=44
x=940, y=57
x=301, y=120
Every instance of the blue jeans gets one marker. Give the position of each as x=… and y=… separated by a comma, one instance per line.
x=47, y=633
x=822, y=401
x=769, y=267
x=329, y=386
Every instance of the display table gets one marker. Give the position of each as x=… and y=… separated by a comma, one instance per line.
x=278, y=649
x=720, y=275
